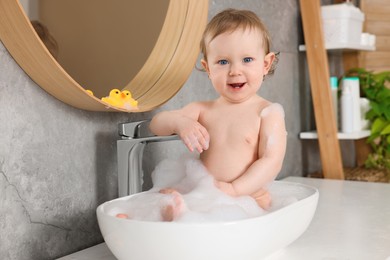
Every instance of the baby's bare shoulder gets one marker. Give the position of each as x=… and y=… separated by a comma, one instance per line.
x=197, y=106
x=272, y=109
x=195, y=109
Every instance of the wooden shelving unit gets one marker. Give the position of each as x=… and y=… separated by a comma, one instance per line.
x=326, y=133
x=321, y=92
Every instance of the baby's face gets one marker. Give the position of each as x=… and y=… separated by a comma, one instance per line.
x=236, y=64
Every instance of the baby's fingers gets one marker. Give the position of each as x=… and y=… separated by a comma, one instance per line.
x=204, y=138
x=188, y=142
x=196, y=143
x=192, y=143
x=196, y=137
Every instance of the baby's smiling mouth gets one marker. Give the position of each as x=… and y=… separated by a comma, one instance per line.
x=236, y=85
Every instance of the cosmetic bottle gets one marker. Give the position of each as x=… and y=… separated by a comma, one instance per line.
x=334, y=89
x=346, y=110
x=352, y=83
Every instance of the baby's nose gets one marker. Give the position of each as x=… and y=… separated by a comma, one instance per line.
x=235, y=69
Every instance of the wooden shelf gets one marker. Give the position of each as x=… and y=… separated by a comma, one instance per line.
x=341, y=136
x=343, y=47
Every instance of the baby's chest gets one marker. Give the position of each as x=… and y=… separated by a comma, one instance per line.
x=241, y=130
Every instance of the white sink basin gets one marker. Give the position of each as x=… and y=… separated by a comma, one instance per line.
x=253, y=238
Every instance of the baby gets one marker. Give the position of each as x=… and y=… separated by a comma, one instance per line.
x=241, y=137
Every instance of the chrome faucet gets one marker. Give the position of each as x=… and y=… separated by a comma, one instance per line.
x=130, y=148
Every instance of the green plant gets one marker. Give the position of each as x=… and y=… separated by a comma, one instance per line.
x=375, y=87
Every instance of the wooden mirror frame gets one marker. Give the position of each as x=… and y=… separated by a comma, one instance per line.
x=163, y=74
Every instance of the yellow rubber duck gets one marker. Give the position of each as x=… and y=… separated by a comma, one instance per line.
x=128, y=100
x=114, y=98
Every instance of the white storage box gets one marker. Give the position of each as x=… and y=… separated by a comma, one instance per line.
x=342, y=23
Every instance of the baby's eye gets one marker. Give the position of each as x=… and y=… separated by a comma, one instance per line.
x=247, y=59
x=223, y=62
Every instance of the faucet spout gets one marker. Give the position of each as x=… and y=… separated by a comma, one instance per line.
x=130, y=148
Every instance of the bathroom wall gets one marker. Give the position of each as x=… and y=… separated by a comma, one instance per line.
x=58, y=163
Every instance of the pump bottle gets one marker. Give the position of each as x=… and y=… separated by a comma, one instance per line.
x=346, y=110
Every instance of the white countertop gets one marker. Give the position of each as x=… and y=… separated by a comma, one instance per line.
x=352, y=222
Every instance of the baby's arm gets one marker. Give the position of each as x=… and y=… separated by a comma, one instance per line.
x=271, y=150
x=183, y=122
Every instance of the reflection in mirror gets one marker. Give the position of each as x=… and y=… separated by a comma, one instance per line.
x=45, y=36
x=101, y=44
x=164, y=72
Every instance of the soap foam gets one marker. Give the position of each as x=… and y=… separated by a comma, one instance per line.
x=203, y=201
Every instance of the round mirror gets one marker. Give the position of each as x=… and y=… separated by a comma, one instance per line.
x=146, y=47
x=105, y=43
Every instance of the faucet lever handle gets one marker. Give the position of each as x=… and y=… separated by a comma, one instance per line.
x=137, y=129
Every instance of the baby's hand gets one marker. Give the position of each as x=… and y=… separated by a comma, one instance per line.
x=263, y=198
x=193, y=134
x=226, y=187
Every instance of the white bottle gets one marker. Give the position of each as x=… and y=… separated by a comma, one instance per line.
x=346, y=110
x=354, y=87
x=334, y=90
